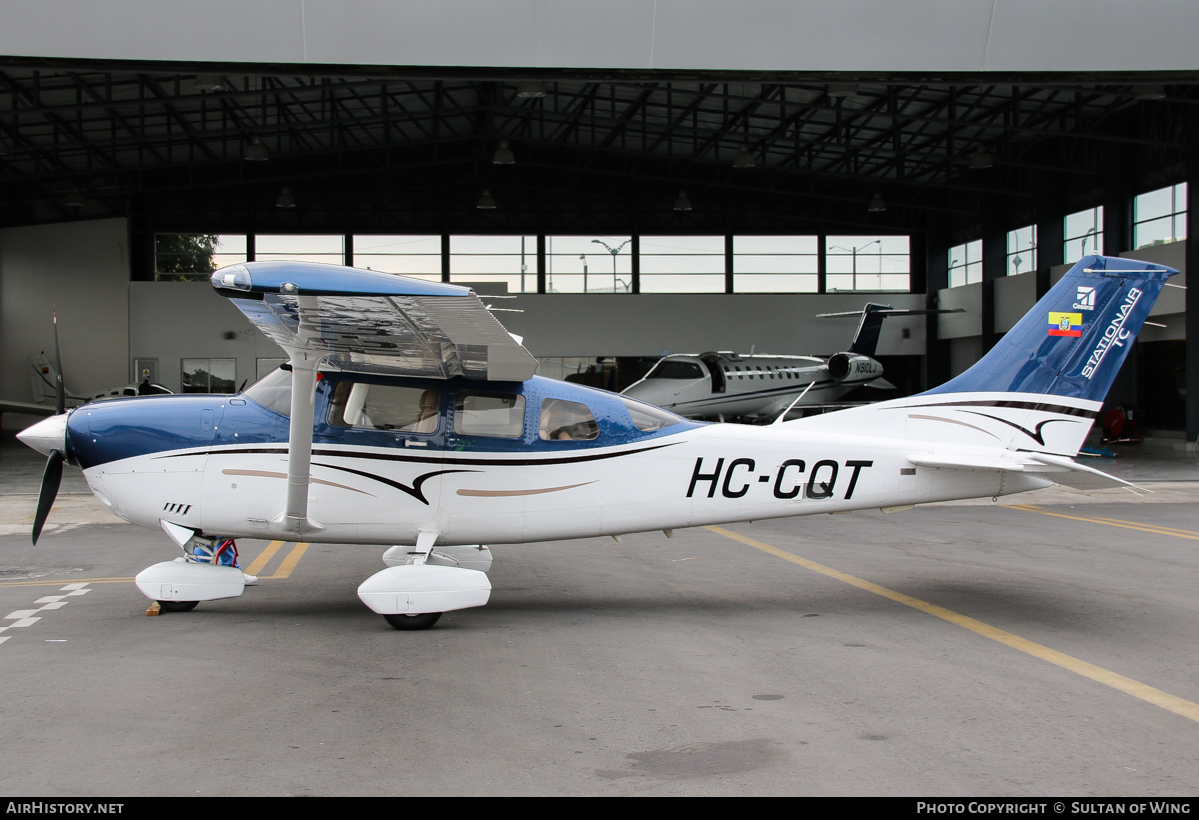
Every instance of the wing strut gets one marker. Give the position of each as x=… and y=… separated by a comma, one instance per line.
x=294, y=519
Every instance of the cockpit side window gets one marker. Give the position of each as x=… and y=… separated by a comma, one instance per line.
x=567, y=421
x=675, y=369
x=272, y=391
x=498, y=415
x=385, y=407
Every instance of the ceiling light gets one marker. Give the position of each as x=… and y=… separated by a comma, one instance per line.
x=682, y=203
x=531, y=90
x=256, y=151
x=1151, y=92
x=982, y=159
x=877, y=204
x=75, y=199
x=209, y=82
x=503, y=155
x=744, y=158
x=486, y=202
x=843, y=90
x=285, y=200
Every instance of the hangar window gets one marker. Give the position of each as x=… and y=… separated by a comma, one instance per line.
x=327, y=248
x=1084, y=234
x=1160, y=216
x=187, y=257
x=418, y=256
x=966, y=264
x=567, y=421
x=507, y=263
x=1022, y=250
x=498, y=415
x=682, y=264
x=776, y=264
x=208, y=375
x=587, y=264
x=385, y=407
x=867, y=263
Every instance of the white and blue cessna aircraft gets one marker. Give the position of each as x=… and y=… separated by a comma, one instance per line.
x=409, y=418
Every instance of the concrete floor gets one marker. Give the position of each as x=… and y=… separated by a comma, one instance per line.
x=694, y=665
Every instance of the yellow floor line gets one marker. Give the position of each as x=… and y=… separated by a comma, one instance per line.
x=263, y=558
x=66, y=581
x=1088, y=670
x=1111, y=522
x=289, y=563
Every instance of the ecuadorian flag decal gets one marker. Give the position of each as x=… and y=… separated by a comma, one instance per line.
x=1065, y=324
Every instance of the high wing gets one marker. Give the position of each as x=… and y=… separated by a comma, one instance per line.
x=369, y=322
x=363, y=322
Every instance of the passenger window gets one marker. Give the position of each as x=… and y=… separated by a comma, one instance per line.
x=567, y=421
x=499, y=415
x=385, y=407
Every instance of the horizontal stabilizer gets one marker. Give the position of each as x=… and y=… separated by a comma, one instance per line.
x=26, y=407
x=880, y=383
x=1058, y=469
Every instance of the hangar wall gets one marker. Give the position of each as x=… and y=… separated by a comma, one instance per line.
x=772, y=35
x=81, y=271
x=170, y=321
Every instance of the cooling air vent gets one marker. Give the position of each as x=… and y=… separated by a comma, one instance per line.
x=177, y=509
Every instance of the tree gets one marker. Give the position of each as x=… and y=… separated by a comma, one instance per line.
x=187, y=257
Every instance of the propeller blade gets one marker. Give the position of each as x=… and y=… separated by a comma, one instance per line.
x=60, y=402
x=51, y=478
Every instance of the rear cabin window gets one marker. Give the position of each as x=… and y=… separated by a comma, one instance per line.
x=648, y=418
x=385, y=407
x=567, y=421
x=676, y=370
x=498, y=415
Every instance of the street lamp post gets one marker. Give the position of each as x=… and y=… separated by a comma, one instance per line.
x=583, y=256
x=614, y=252
x=854, y=252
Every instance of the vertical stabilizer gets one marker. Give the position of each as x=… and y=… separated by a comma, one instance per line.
x=865, y=340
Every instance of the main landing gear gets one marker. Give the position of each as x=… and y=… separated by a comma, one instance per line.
x=421, y=583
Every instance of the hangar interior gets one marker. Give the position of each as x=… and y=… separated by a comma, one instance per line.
x=630, y=211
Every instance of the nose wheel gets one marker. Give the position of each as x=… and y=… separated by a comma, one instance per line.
x=408, y=622
x=177, y=606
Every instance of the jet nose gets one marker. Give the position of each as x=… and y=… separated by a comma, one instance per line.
x=650, y=393
x=47, y=435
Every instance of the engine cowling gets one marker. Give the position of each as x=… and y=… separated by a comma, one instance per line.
x=853, y=367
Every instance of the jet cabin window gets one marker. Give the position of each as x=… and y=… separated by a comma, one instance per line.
x=385, y=407
x=567, y=421
x=674, y=369
x=499, y=415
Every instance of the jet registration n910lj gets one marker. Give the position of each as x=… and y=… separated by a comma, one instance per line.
x=407, y=417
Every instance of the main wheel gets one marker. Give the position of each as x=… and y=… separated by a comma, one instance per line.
x=422, y=621
x=177, y=606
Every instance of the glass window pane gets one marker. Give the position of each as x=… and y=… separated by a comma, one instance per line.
x=682, y=264
x=690, y=283
x=776, y=283
x=208, y=375
x=646, y=417
x=873, y=262
x=807, y=245
x=418, y=256
x=1180, y=197
x=273, y=391
x=1153, y=204
x=191, y=257
x=326, y=248
x=1154, y=232
x=510, y=260
x=567, y=421
x=385, y=407
x=498, y=415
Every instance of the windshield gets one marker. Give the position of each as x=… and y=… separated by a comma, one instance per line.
x=648, y=418
x=676, y=369
x=272, y=391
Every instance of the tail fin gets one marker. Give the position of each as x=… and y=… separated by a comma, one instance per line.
x=865, y=340
x=1041, y=387
x=1073, y=342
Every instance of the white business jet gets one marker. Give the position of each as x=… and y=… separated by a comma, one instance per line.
x=407, y=417
x=728, y=385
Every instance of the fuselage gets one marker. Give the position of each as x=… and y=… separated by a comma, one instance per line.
x=756, y=385
x=485, y=464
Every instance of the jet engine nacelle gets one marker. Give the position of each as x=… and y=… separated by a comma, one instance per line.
x=853, y=367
